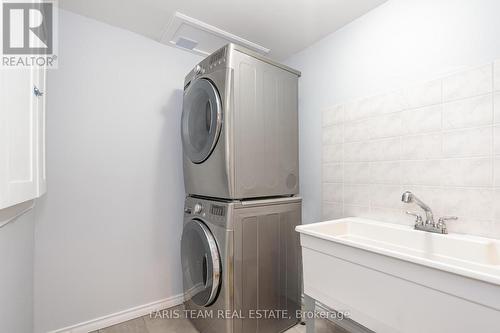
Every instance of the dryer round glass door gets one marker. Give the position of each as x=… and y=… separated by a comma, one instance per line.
x=201, y=120
x=201, y=264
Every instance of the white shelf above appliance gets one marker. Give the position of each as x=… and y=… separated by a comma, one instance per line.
x=195, y=36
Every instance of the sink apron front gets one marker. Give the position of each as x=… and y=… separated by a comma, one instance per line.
x=389, y=294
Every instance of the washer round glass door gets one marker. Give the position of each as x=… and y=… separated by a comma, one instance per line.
x=201, y=120
x=201, y=265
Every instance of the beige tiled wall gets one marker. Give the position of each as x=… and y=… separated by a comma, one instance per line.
x=439, y=139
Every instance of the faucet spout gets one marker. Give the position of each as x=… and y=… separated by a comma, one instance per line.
x=409, y=197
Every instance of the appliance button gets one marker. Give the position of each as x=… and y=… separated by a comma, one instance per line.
x=198, y=208
x=198, y=69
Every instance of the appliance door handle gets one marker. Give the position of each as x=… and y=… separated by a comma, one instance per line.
x=205, y=269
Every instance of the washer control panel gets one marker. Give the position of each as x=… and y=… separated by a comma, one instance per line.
x=217, y=210
x=213, y=211
x=198, y=208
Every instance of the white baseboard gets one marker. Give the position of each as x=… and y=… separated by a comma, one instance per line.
x=120, y=317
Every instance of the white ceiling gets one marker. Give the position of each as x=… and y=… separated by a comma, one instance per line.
x=284, y=26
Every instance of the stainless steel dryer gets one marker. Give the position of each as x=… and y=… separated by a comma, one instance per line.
x=239, y=256
x=240, y=126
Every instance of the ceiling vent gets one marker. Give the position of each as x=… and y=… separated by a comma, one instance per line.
x=201, y=38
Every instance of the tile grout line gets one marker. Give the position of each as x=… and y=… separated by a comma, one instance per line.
x=493, y=126
x=370, y=162
x=412, y=135
x=343, y=164
x=420, y=83
x=494, y=132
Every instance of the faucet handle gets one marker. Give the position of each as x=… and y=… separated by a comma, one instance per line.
x=417, y=215
x=447, y=218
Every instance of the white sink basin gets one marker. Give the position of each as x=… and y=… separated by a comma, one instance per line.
x=392, y=278
x=470, y=256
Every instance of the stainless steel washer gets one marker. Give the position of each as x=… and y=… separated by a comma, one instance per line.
x=238, y=257
x=240, y=127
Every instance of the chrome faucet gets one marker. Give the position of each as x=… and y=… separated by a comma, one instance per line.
x=428, y=224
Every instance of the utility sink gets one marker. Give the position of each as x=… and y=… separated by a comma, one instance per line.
x=390, y=276
x=471, y=256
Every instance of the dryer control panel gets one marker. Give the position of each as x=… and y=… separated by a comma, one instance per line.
x=207, y=66
x=210, y=64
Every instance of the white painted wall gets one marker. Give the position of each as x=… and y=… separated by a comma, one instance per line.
x=398, y=43
x=108, y=231
x=16, y=270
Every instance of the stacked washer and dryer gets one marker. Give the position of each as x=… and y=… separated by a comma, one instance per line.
x=240, y=253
